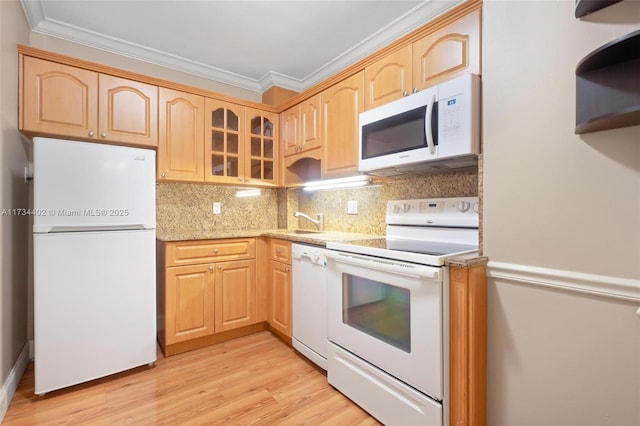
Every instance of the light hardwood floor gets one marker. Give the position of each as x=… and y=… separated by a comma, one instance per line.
x=247, y=381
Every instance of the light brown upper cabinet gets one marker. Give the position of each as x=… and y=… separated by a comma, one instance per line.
x=341, y=105
x=310, y=124
x=66, y=101
x=181, y=136
x=240, y=147
x=59, y=99
x=128, y=111
x=441, y=55
x=224, y=147
x=261, y=160
x=300, y=126
x=448, y=52
x=389, y=78
x=290, y=130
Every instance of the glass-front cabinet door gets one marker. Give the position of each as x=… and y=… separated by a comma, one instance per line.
x=261, y=166
x=224, y=142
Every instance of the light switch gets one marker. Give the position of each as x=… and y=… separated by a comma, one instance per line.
x=352, y=207
x=216, y=208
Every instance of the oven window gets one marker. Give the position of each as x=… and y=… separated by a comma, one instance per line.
x=377, y=309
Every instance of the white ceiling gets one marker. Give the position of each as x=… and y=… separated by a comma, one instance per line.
x=249, y=44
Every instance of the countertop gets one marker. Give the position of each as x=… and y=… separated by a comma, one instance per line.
x=307, y=236
x=299, y=235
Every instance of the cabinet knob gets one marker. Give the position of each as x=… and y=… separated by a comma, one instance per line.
x=211, y=268
x=405, y=93
x=215, y=251
x=287, y=269
x=103, y=135
x=219, y=266
x=92, y=133
x=415, y=90
x=164, y=174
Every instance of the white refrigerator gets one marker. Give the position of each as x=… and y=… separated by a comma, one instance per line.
x=94, y=261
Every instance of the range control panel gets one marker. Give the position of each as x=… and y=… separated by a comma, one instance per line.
x=450, y=212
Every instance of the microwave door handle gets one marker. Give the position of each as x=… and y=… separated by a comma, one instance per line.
x=428, y=114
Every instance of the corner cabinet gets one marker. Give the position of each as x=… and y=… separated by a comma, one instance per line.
x=206, y=292
x=61, y=100
x=341, y=106
x=240, y=147
x=181, y=137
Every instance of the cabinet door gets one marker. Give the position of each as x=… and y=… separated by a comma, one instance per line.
x=128, y=111
x=280, y=298
x=261, y=153
x=181, y=136
x=388, y=79
x=341, y=106
x=290, y=130
x=224, y=142
x=189, y=303
x=59, y=99
x=451, y=51
x=310, y=123
x=235, y=295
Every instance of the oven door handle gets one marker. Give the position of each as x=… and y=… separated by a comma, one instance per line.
x=395, y=267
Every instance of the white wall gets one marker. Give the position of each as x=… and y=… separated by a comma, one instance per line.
x=14, y=233
x=560, y=210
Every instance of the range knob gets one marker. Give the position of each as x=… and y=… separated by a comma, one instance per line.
x=476, y=208
x=464, y=206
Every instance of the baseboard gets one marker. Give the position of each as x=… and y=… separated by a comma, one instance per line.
x=11, y=384
x=599, y=285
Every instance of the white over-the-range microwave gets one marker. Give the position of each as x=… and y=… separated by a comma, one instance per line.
x=433, y=131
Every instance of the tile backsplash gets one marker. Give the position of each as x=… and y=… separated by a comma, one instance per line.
x=189, y=206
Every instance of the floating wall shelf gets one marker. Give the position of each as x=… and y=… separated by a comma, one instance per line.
x=585, y=7
x=608, y=86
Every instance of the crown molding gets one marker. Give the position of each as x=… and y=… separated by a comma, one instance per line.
x=416, y=17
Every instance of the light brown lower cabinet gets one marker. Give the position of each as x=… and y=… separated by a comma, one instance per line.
x=215, y=290
x=207, y=293
x=279, y=300
x=468, y=345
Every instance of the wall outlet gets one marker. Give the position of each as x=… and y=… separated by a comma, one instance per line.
x=352, y=207
x=216, y=208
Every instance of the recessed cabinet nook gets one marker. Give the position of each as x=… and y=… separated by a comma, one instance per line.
x=607, y=84
x=209, y=291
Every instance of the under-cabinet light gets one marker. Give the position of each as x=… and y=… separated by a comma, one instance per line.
x=248, y=193
x=348, y=182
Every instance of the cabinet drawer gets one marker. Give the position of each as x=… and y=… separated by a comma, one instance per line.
x=196, y=252
x=281, y=251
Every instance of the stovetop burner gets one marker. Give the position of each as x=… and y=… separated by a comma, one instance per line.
x=425, y=231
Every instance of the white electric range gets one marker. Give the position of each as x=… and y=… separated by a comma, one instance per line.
x=388, y=309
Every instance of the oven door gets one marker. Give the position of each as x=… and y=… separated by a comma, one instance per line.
x=389, y=313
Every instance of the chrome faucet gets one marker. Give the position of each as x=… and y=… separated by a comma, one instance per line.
x=318, y=223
